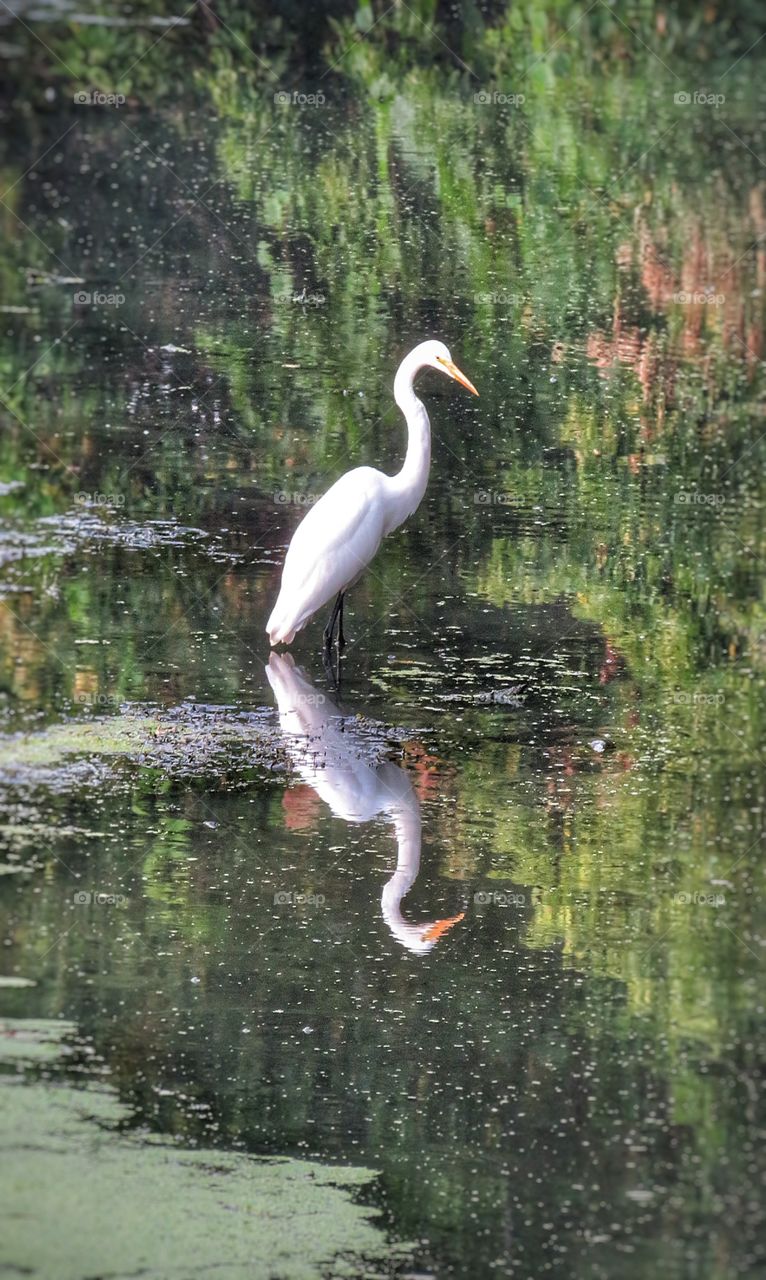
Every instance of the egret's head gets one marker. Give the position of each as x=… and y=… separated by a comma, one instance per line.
x=436, y=356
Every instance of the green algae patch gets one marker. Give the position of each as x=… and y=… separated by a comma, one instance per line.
x=82, y=1199
x=187, y=741
x=184, y=741
x=107, y=736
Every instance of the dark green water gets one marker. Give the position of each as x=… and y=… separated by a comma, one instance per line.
x=560, y=657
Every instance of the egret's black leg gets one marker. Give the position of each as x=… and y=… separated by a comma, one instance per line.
x=341, y=637
x=331, y=623
x=333, y=674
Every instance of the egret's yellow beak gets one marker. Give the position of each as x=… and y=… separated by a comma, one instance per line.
x=453, y=371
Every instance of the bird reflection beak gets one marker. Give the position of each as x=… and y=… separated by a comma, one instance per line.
x=455, y=373
x=435, y=931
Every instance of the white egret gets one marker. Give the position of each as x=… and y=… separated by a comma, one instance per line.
x=335, y=761
x=340, y=535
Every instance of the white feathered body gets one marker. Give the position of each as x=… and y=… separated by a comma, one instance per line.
x=332, y=545
x=337, y=538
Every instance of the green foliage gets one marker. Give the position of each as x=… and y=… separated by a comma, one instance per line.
x=144, y=51
x=592, y=532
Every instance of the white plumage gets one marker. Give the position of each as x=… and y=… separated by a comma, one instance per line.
x=340, y=535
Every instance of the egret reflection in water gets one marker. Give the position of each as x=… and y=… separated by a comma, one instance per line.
x=334, y=760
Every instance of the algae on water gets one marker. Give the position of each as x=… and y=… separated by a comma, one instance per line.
x=183, y=741
x=124, y=1205
x=190, y=740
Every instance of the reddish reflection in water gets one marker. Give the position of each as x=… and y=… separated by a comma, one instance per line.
x=711, y=298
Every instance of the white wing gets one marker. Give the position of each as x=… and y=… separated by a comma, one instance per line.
x=332, y=545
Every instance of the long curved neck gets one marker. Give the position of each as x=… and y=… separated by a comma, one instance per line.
x=409, y=484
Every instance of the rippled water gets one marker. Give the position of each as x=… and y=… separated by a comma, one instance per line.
x=488, y=923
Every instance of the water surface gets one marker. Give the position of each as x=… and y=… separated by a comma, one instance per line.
x=495, y=930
